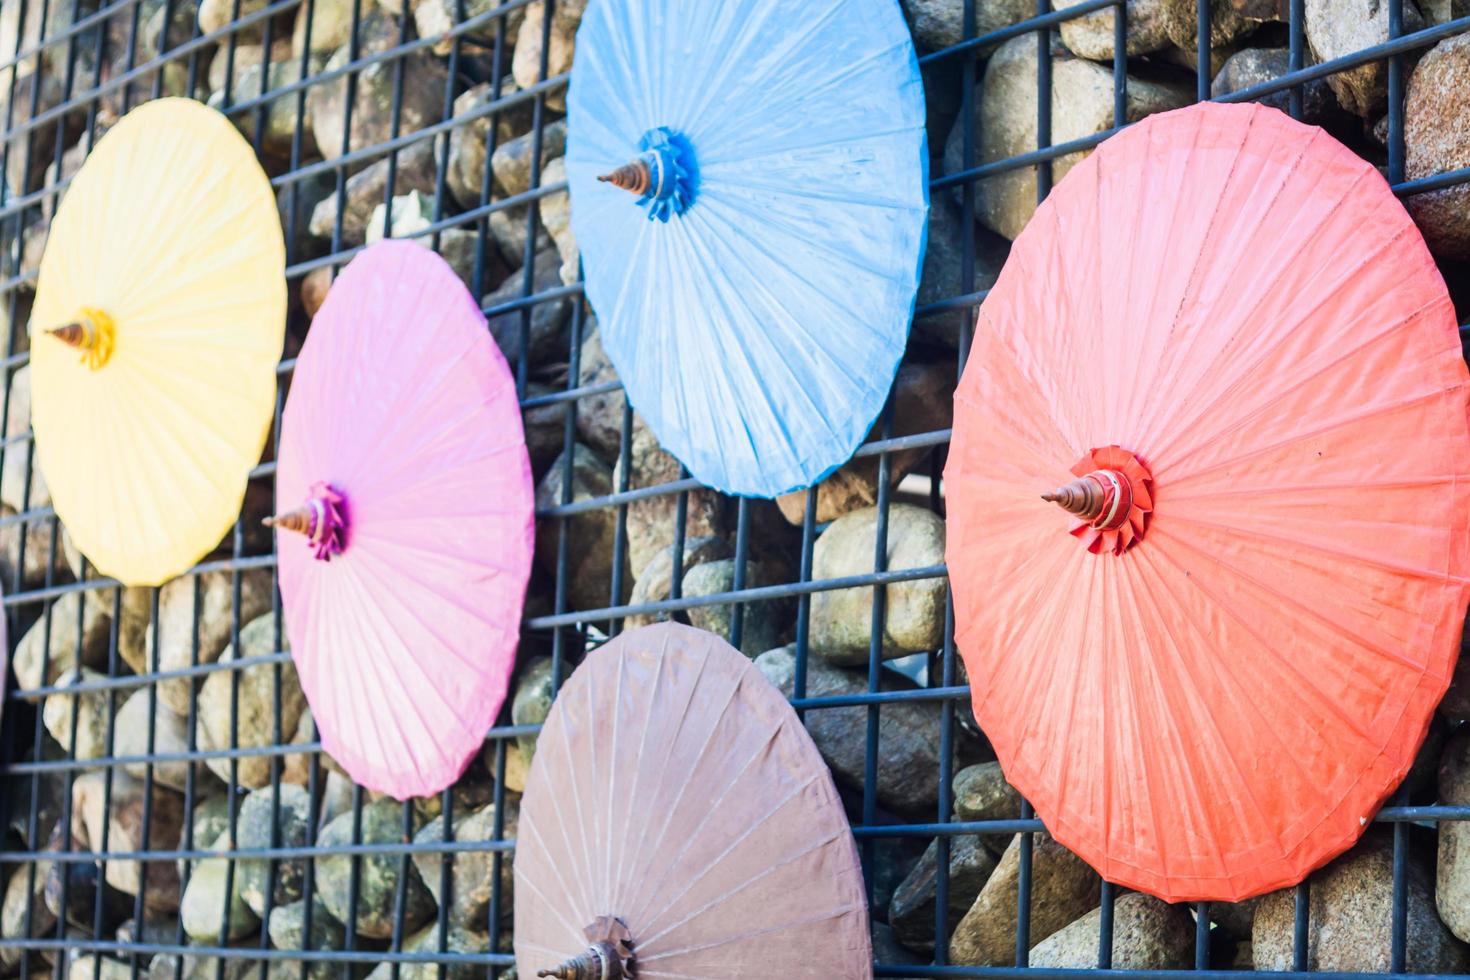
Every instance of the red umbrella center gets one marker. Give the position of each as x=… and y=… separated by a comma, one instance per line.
x=1111, y=499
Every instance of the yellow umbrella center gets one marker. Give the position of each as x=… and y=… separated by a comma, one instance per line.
x=92, y=332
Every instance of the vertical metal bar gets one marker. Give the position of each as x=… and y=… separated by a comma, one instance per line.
x=1202, y=935
x=1043, y=101
x=1296, y=21
x=1203, y=71
x=1300, y=933
x=1105, y=927
x=1395, y=96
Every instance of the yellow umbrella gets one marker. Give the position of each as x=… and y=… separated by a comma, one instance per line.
x=157, y=327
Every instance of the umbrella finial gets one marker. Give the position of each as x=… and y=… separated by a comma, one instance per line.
x=610, y=957
x=634, y=177
x=92, y=333
x=322, y=519
x=1083, y=497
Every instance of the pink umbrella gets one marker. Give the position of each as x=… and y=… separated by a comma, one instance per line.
x=403, y=454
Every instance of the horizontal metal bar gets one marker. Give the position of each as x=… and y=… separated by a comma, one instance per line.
x=97, y=584
x=1434, y=182
x=954, y=693
x=1018, y=29
x=762, y=593
x=365, y=956
x=1022, y=160
x=390, y=848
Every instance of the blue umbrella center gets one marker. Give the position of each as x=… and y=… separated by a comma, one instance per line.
x=673, y=174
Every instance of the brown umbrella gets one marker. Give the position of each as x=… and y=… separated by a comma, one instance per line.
x=678, y=822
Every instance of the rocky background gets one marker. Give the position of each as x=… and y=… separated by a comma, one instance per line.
x=170, y=721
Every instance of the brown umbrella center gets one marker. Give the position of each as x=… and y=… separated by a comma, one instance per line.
x=610, y=957
x=92, y=332
x=1102, y=498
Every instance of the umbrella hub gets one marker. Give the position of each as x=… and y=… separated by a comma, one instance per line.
x=664, y=175
x=610, y=957
x=323, y=519
x=92, y=332
x=1111, y=498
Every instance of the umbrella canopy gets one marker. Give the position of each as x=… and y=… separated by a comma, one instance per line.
x=403, y=457
x=753, y=280
x=1224, y=339
x=678, y=822
x=160, y=313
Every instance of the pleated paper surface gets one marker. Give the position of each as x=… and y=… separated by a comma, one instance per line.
x=402, y=403
x=759, y=331
x=674, y=788
x=171, y=229
x=1242, y=302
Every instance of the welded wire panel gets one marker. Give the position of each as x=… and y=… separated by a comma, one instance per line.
x=168, y=807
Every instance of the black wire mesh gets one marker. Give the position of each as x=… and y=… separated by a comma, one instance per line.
x=443, y=120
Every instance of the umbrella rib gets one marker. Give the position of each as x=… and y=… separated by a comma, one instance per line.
x=766, y=871
x=584, y=854
x=691, y=879
x=651, y=699
x=1286, y=599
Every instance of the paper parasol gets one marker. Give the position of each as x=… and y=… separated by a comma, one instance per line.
x=749, y=190
x=679, y=821
x=1207, y=690
x=159, y=317
x=403, y=468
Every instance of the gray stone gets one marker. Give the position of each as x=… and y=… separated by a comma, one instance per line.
x=763, y=624
x=457, y=939
x=472, y=873
x=1250, y=67
x=908, y=732
x=1351, y=905
x=211, y=894
x=86, y=965
x=1091, y=35
x=248, y=720
x=410, y=214
x=590, y=534
x=532, y=701
x=841, y=620
x=331, y=27
x=511, y=162
x=911, y=913
x=211, y=818
x=1181, y=24
x=544, y=425
x=943, y=275
x=1337, y=28
x=123, y=825
x=382, y=823
x=49, y=650
x=287, y=929
x=79, y=884
x=548, y=318
x=79, y=722
x=280, y=113
x=22, y=484
x=39, y=561
x=170, y=736
x=655, y=580
x=923, y=401
x=982, y=793
x=464, y=249
x=247, y=56
x=468, y=143
x=215, y=15
x=940, y=23
x=1437, y=139
x=1082, y=104
x=1063, y=889
x=414, y=171
x=886, y=949
x=1455, y=707
x=651, y=520
x=556, y=218
x=424, y=79
x=1147, y=935
x=174, y=632
x=1452, y=877
x=289, y=815
x=24, y=895
x=600, y=416
x=531, y=43
x=434, y=18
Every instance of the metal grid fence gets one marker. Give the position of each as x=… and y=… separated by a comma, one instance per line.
x=84, y=67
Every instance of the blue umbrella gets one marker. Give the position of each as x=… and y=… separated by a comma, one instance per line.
x=749, y=192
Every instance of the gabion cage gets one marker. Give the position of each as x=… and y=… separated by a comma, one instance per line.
x=168, y=809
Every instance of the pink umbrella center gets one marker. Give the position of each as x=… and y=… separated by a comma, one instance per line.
x=322, y=519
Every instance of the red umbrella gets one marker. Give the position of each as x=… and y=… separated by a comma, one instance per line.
x=678, y=822
x=1222, y=347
